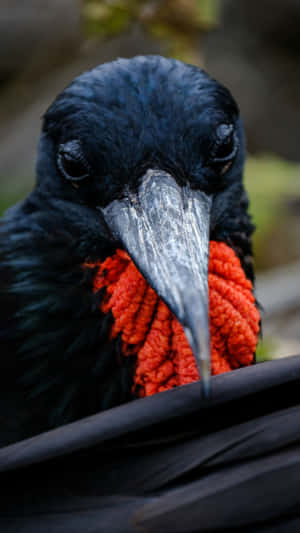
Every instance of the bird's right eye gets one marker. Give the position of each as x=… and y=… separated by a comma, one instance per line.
x=71, y=161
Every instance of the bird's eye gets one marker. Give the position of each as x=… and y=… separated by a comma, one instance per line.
x=224, y=148
x=71, y=161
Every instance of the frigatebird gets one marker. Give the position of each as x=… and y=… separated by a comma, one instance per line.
x=139, y=210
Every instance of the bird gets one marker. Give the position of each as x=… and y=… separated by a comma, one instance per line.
x=127, y=279
x=139, y=171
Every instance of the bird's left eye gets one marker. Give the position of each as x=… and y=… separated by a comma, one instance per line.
x=224, y=148
x=71, y=161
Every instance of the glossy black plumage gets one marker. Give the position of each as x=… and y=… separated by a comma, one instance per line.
x=169, y=463
x=129, y=116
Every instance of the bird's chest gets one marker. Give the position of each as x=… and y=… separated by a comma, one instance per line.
x=151, y=333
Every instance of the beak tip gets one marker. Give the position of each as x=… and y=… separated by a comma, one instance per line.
x=201, y=350
x=206, y=389
x=204, y=365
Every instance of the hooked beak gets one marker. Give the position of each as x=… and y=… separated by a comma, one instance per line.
x=165, y=229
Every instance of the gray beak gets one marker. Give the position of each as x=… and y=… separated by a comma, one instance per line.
x=165, y=229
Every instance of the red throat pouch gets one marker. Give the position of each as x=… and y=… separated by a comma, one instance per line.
x=150, y=332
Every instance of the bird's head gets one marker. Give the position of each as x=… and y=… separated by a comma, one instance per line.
x=148, y=153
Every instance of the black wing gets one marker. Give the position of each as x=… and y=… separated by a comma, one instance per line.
x=168, y=463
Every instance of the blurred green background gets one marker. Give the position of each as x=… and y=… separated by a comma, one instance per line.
x=251, y=47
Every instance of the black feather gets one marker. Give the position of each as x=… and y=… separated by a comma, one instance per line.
x=168, y=463
x=57, y=362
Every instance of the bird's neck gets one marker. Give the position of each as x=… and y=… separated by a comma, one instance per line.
x=150, y=332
